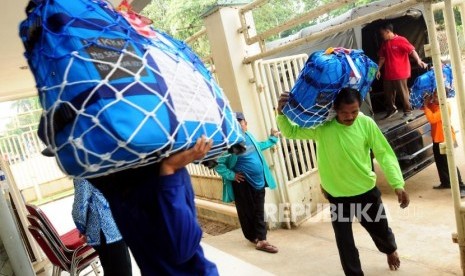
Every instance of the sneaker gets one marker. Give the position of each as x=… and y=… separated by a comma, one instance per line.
x=389, y=114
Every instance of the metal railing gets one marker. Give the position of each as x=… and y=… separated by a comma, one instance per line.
x=201, y=170
x=275, y=76
x=303, y=18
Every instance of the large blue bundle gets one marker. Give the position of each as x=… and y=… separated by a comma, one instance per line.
x=425, y=84
x=113, y=98
x=325, y=73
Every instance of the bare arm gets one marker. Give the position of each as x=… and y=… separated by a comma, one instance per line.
x=380, y=64
x=417, y=58
x=179, y=160
x=287, y=129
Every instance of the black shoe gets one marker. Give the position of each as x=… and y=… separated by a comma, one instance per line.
x=389, y=114
x=441, y=186
x=462, y=192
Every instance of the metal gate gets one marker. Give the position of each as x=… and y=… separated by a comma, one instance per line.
x=295, y=162
x=22, y=153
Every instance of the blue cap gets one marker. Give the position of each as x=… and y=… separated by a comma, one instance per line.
x=240, y=116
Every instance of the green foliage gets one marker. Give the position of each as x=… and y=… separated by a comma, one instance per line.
x=439, y=18
x=27, y=116
x=185, y=17
x=277, y=12
x=180, y=19
x=24, y=105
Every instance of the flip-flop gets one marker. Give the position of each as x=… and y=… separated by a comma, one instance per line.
x=265, y=246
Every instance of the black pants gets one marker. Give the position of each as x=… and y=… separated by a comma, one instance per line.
x=369, y=210
x=250, y=206
x=114, y=257
x=442, y=167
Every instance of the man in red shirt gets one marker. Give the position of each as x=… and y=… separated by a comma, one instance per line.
x=394, y=55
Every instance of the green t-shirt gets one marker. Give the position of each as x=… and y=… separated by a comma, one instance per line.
x=343, y=154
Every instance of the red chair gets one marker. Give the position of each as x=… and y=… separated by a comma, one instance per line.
x=66, y=253
x=70, y=247
x=81, y=260
x=71, y=240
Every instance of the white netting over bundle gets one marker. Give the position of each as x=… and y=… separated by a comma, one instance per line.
x=425, y=84
x=325, y=73
x=115, y=99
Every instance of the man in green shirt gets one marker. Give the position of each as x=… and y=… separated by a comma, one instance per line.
x=347, y=178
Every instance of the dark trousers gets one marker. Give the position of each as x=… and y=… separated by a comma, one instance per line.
x=391, y=88
x=369, y=210
x=442, y=167
x=250, y=206
x=157, y=218
x=114, y=257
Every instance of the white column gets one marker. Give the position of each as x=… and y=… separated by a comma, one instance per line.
x=12, y=241
x=229, y=49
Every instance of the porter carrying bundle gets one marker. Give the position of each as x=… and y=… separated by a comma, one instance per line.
x=325, y=73
x=425, y=84
x=114, y=98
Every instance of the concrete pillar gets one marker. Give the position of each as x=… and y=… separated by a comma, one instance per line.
x=460, y=88
x=229, y=49
x=11, y=239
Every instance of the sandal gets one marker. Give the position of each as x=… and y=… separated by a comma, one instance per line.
x=265, y=246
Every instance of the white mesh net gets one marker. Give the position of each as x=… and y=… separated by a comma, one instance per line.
x=113, y=99
x=323, y=76
x=425, y=84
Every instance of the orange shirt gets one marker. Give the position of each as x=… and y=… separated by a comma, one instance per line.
x=433, y=114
